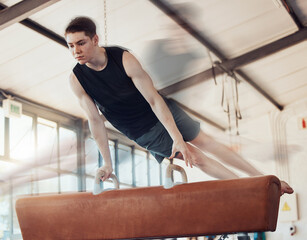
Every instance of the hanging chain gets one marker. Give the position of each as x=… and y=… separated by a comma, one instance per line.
x=105, y=23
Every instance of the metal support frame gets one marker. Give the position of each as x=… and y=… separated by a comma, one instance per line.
x=266, y=50
x=40, y=107
x=116, y=159
x=6, y=138
x=133, y=166
x=40, y=29
x=80, y=156
x=58, y=155
x=175, y=15
x=292, y=14
x=189, y=82
x=240, y=61
x=21, y=11
x=148, y=167
x=231, y=64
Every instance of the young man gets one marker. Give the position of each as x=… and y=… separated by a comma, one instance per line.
x=113, y=79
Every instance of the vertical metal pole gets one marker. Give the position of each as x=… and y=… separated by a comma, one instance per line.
x=35, y=171
x=148, y=168
x=11, y=210
x=58, y=157
x=133, y=166
x=100, y=159
x=7, y=156
x=80, y=156
x=7, y=138
x=116, y=158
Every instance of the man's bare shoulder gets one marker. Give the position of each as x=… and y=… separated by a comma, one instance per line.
x=131, y=64
x=72, y=77
x=75, y=85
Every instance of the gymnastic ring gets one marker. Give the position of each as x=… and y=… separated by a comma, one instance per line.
x=115, y=180
x=169, y=180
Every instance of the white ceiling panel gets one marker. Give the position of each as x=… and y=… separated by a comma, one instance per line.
x=55, y=92
x=38, y=68
x=282, y=74
x=33, y=67
x=10, y=2
x=153, y=36
x=293, y=95
x=16, y=45
x=280, y=64
x=238, y=26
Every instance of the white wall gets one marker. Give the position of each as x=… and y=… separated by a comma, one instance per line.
x=257, y=146
x=297, y=160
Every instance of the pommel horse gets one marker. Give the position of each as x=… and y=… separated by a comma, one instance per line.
x=185, y=210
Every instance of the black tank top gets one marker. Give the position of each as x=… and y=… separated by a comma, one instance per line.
x=116, y=96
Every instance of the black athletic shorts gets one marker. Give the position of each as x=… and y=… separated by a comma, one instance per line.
x=157, y=140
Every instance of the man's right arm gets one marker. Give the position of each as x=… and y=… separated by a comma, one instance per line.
x=96, y=124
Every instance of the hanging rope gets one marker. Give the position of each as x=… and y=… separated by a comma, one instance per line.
x=235, y=97
x=225, y=99
x=212, y=66
x=105, y=23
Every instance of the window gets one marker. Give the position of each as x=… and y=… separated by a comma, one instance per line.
x=163, y=166
x=46, y=181
x=89, y=181
x=154, y=172
x=124, y=164
x=69, y=183
x=6, y=171
x=1, y=132
x=4, y=216
x=141, y=171
x=68, y=150
x=91, y=157
x=21, y=138
x=19, y=190
x=112, y=152
x=47, y=142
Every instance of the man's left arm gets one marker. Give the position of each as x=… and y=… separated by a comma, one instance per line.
x=144, y=84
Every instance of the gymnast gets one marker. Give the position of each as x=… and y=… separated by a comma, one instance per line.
x=112, y=79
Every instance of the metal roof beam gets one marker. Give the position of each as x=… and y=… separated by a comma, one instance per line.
x=240, y=61
x=266, y=50
x=175, y=15
x=190, y=81
x=21, y=11
x=292, y=14
x=40, y=29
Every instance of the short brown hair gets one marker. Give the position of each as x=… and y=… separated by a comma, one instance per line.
x=82, y=24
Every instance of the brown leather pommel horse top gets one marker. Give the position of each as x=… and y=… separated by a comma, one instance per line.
x=193, y=209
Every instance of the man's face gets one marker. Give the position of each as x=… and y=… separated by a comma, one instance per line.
x=81, y=46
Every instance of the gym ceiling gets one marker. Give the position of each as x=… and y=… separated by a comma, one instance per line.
x=186, y=46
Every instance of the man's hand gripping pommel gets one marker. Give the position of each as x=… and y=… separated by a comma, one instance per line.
x=104, y=172
x=182, y=147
